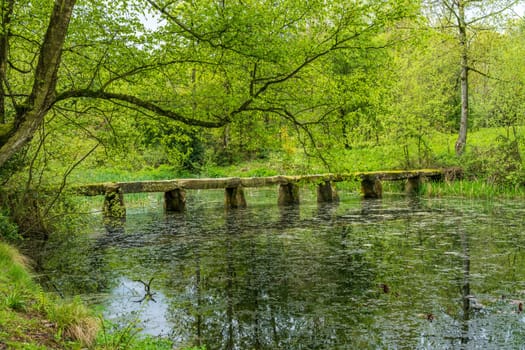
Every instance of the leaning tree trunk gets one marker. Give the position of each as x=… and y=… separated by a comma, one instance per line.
x=42, y=96
x=462, y=26
x=7, y=13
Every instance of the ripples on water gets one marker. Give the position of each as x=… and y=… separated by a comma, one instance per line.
x=396, y=273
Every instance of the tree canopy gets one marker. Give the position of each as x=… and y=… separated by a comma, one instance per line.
x=246, y=77
x=207, y=64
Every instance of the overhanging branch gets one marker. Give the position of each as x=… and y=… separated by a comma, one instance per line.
x=137, y=102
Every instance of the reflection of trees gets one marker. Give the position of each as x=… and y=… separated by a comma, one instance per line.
x=70, y=264
x=478, y=317
x=230, y=278
x=465, y=287
x=198, y=316
x=269, y=279
x=261, y=290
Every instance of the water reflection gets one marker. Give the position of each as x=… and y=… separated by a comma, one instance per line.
x=391, y=273
x=127, y=299
x=468, y=299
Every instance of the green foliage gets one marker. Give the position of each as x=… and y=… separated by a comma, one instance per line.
x=115, y=337
x=4, y=131
x=12, y=167
x=261, y=172
x=331, y=84
x=170, y=143
x=244, y=169
x=500, y=164
x=8, y=229
x=474, y=188
x=16, y=299
x=39, y=212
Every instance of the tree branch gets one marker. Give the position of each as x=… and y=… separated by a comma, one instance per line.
x=495, y=13
x=135, y=101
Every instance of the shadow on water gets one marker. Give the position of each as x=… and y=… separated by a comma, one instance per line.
x=390, y=273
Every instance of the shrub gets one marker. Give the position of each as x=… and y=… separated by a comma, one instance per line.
x=8, y=229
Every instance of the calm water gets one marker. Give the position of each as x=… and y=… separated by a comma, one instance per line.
x=396, y=273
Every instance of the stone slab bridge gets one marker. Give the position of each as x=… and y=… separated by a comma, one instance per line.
x=175, y=190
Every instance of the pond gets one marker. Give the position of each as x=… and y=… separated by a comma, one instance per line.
x=395, y=273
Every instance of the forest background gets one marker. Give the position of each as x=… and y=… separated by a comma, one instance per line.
x=96, y=90
x=120, y=90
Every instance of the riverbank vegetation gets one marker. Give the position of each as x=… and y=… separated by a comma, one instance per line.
x=32, y=319
x=153, y=89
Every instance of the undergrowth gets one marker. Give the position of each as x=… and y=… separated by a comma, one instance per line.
x=30, y=318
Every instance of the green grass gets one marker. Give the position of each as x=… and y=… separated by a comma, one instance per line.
x=115, y=337
x=31, y=319
x=480, y=161
x=94, y=175
x=471, y=189
x=437, y=149
x=23, y=316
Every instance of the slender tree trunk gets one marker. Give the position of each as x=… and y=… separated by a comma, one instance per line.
x=42, y=96
x=463, y=125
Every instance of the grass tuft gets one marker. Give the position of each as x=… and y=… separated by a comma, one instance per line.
x=74, y=321
x=16, y=300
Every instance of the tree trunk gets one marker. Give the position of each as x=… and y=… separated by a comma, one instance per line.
x=30, y=117
x=462, y=26
x=7, y=12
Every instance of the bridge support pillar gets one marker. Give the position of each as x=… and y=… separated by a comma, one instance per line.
x=412, y=185
x=288, y=194
x=114, y=202
x=175, y=200
x=371, y=188
x=234, y=197
x=326, y=193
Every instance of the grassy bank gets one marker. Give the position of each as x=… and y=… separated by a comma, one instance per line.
x=31, y=319
x=487, y=152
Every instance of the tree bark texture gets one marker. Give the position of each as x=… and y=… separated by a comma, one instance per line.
x=7, y=12
x=463, y=124
x=31, y=115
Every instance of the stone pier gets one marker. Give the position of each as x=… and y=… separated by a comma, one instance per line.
x=371, y=187
x=234, y=197
x=114, y=202
x=288, y=194
x=412, y=185
x=175, y=200
x=326, y=193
